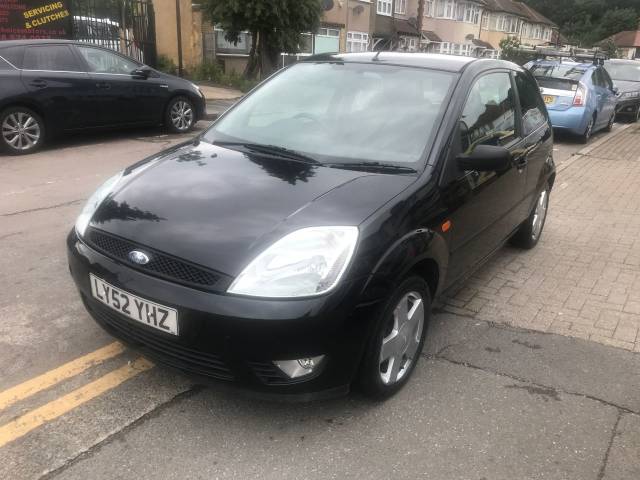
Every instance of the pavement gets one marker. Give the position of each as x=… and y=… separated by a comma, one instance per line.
x=219, y=99
x=490, y=399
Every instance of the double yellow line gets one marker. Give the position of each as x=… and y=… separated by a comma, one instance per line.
x=58, y=407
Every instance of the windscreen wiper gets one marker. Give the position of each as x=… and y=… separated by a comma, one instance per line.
x=373, y=167
x=274, y=150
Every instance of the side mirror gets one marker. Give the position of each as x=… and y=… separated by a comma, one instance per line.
x=615, y=90
x=485, y=158
x=142, y=73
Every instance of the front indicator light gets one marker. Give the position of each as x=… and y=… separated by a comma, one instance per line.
x=299, y=368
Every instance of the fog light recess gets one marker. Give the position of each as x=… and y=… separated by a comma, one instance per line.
x=300, y=367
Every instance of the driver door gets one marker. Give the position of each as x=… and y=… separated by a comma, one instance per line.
x=484, y=207
x=121, y=98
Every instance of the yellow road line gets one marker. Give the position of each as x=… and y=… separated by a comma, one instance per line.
x=54, y=409
x=50, y=378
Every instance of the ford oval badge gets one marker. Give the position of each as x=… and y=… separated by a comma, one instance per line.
x=136, y=256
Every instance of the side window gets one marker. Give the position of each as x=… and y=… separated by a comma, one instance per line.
x=13, y=55
x=597, y=78
x=56, y=58
x=4, y=65
x=102, y=61
x=531, y=104
x=489, y=115
x=608, y=83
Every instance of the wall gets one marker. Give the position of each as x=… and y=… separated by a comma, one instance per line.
x=167, y=36
x=451, y=30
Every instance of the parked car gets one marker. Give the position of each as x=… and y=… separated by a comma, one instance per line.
x=580, y=97
x=55, y=86
x=626, y=78
x=297, y=245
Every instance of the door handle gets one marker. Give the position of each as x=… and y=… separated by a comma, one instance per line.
x=103, y=85
x=521, y=162
x=38, y=83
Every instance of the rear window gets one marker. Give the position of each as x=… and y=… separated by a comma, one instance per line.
x=559, y=77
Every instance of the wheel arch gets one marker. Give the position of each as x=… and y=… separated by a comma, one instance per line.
x=423, y=252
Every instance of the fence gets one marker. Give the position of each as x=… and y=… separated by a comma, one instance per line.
x=127, y=26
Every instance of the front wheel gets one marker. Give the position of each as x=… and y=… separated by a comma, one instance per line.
x=180, y=116
x=396, y=343
x=529, y=233
x=22, y=130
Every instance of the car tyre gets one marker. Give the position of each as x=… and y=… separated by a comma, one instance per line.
x=22, y=131
x=397, y=340
x=611, y=122
x=180, y=115
x=586, y=136
x=529, y=233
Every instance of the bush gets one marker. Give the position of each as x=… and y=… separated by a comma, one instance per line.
x=166, y=65
x=212, y=72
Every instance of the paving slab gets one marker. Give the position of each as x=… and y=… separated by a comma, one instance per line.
x=452, y=422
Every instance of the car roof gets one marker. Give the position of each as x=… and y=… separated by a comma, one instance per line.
x=435, y=61
x=622, y=61
x=18, y=43
x=555, y=63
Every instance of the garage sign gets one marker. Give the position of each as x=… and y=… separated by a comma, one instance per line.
x=29, y=19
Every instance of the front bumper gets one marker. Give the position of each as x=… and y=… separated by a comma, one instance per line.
x=628, y=107
x=233, y=339
x=574, y=119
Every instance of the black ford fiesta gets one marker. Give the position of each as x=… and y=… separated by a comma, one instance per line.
x=297, y=245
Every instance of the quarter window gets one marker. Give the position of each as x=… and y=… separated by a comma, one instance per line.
x=488, y=117
x=56, y=58
x=531, y=104
x=102, y=61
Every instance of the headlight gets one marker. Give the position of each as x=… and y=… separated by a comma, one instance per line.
x=94, y=202
x=304, y=263
x=630, y=94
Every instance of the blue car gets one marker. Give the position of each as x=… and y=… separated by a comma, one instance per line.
x=580, y=97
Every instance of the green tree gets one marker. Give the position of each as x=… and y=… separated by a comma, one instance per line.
x=609, y=49
x=275, y=25
x=618, y=20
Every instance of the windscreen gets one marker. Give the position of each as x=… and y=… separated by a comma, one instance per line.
x=624, y=72
x=558, y=77
x=347, y=112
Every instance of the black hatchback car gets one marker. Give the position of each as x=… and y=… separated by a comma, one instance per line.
x=297, y=245
x=55, y=86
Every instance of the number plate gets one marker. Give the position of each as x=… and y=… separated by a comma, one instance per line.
x=138, y=309
x=548, y=99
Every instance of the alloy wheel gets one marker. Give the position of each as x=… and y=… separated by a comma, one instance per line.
x=182, y=115
x=587, y=133
x=402, y=338
x=21, y=131
x=540, y=214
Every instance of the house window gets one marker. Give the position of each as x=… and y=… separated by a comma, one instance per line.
x=328, y=32
x=384, y=7
x=445, y=9
x=547, y=34
x=536, y=32
x=444, y=47
x=485, y=21
x=429, y=8
x=357, y=42
x=470, y=13
x=401, y=7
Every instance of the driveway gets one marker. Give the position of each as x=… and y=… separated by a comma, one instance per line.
x=489, y=399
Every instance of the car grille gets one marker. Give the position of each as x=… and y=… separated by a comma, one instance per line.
x=159, y=348
x=160, y=264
